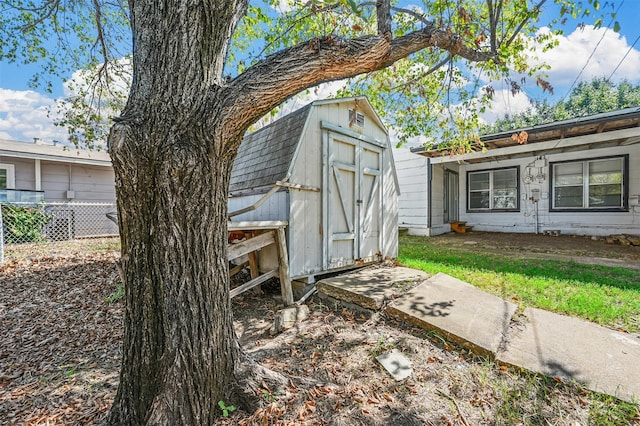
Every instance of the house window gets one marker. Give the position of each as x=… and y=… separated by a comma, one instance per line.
x=491, y=190
x=7, y=176
x=589, y=184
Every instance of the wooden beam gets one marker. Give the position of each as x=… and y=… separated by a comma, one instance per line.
x=285, y=278
x=233, y=271
x=251, y=284
x=252, y=225
x=252, y=244
x=541, y=146
x=298, y=186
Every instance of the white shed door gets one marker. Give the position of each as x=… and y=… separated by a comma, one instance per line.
x=354, y=198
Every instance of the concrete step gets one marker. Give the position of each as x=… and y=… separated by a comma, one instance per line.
x=601, y=359
x=463, y=313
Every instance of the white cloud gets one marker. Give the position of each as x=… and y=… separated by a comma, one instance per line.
x=20, y=101
x=322, y=91
x=573, y=51
x=504, y=102
x=25, y=115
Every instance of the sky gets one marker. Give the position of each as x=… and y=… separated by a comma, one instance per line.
x=583, y=54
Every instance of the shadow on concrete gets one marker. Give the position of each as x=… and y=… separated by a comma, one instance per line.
x=435, y=309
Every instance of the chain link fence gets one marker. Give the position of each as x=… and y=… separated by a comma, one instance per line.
x=27, y=223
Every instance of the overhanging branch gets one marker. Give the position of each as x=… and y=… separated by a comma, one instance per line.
x=280, y=76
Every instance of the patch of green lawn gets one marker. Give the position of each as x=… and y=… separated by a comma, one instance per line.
x=609, y=296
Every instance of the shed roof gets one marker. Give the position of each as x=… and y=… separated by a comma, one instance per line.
x=265, y=155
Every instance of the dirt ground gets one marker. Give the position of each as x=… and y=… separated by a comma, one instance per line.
x=562, y=247
x=61, y=325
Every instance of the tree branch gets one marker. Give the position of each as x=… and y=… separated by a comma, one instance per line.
x=492, y=25
x=524, y=21
x=50, y=8
x=423, y=75
x=420, y=17
x=383, y=13
x=278, y=77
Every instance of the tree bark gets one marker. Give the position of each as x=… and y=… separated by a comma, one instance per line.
x=179, y=351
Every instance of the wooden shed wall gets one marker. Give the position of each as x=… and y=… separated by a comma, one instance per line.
x=275, y=207
x=306, y=219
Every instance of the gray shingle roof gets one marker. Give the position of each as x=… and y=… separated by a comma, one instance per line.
x=264, y=156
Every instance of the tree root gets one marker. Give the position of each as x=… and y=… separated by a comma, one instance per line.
x=252, y=380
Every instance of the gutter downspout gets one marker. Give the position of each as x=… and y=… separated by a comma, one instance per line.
x=429, y=186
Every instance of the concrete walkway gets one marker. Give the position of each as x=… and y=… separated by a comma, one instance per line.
x=600, y=359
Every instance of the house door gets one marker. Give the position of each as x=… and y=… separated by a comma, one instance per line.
x=451, y=202
x=353, y=214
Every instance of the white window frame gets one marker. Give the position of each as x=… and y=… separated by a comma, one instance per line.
x=491, y=191
x=624, y=170
x=11, y=175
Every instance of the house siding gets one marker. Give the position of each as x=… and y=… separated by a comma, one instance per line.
x=574, y=223
x=91, y=183
x=412, y=201
x=438, y=225
x=24, y=172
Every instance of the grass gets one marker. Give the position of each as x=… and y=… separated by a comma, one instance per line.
x=609, y=296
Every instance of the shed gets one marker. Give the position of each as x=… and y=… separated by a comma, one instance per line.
x=327, y=170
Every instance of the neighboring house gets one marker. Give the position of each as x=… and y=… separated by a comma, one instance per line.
x=413, y=176
x=327, y=169
x=77, y=187
x=33, y=172
x=578, y=176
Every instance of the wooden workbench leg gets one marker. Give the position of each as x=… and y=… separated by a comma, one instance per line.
x=254, y=270
x=283, y=269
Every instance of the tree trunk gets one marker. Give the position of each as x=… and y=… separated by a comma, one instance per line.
x=172, y=152
x=180, y=352
x=179, y=344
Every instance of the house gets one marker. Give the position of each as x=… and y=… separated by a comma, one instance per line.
x=326, y=169
x=579, y=176
x=34, y=172
x=74, y=187
x=412, y=173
